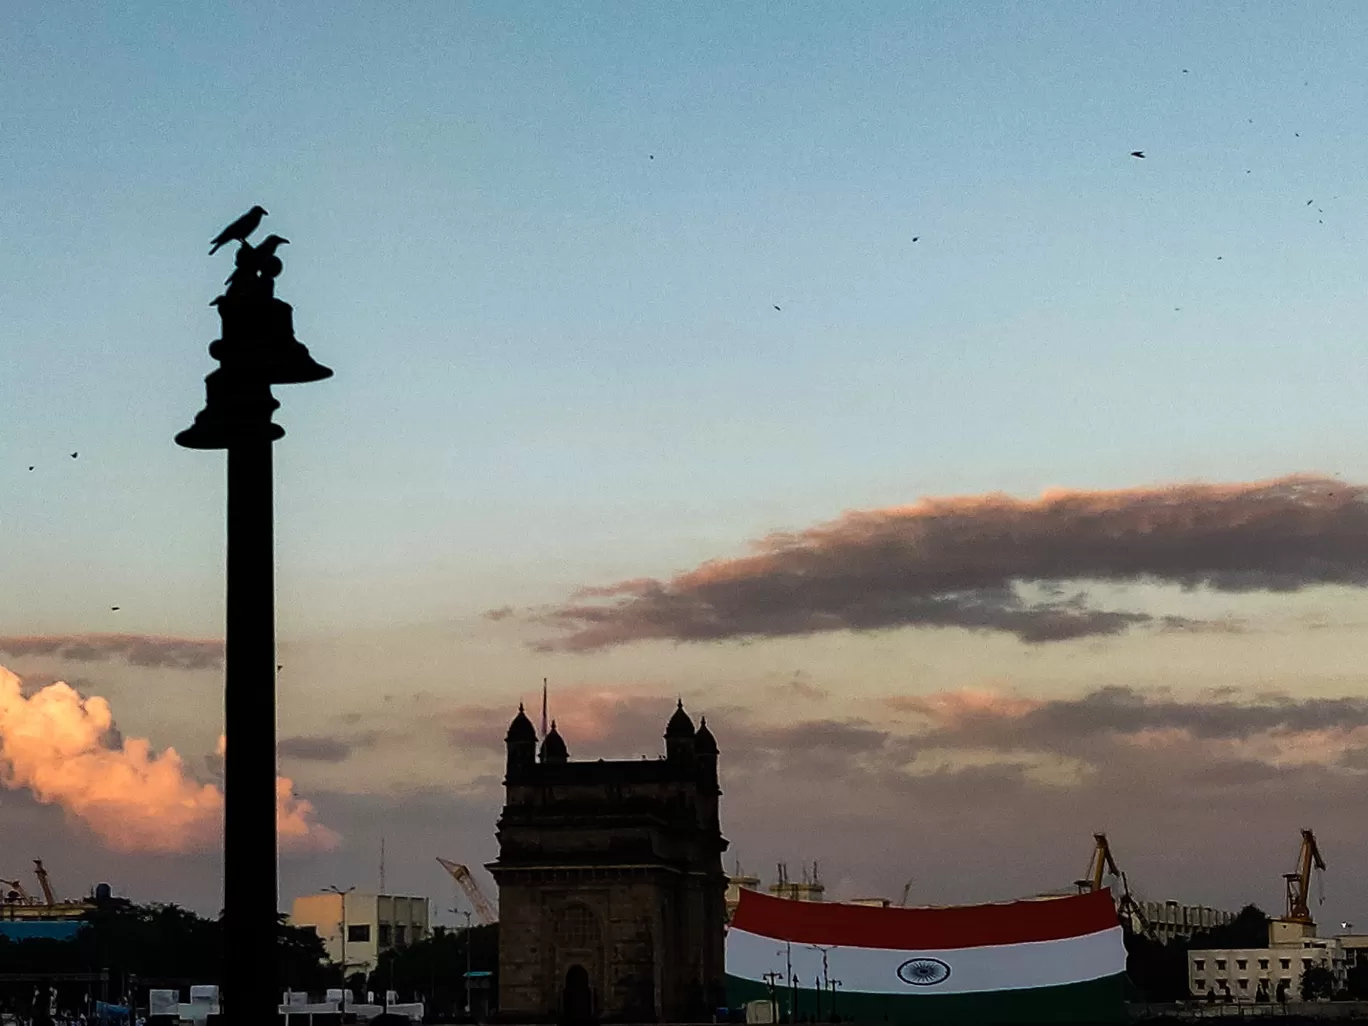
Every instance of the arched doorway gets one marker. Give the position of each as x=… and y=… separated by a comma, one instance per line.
x=577, y=1000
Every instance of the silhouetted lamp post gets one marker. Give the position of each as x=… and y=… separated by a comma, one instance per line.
x=257, y=349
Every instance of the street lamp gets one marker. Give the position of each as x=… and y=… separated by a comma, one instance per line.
x=465, y=989
x=342, y=900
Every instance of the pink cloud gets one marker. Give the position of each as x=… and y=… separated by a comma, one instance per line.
x=64, y=749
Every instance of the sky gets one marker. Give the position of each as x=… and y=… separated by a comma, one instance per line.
x=833, y=367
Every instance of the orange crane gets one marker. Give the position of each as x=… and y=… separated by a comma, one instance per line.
x=462, y=876
x=17, y=889
x=1299, y=883
x=42, y=875
x=1102, y=864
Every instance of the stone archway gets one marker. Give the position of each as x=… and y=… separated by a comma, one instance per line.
x=577, y=997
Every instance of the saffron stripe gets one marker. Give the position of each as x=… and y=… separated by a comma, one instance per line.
x=960, y=926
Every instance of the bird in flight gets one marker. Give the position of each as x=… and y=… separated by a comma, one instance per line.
x=916, y=238
x=114, y=609
x=30, y=468
x=776, y=308
x=1138, y=153
x=239, y=229
x=74, y=455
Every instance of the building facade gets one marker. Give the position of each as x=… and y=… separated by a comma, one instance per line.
x=374, y=924
x=1168, y=920
x=1246, y=975
x=611, y=888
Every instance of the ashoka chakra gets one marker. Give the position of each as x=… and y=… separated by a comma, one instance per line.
x=923, y=972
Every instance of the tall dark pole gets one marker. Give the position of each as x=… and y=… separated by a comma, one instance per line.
x=249, y=812
x=257, y=350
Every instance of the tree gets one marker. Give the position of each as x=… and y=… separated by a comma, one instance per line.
x=435, y=966
x=303, y=959
x=1317, y=983
x=158, y=942
x=1357, y=982
x=1249, y=929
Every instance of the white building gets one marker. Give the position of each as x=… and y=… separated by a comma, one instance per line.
x=374, y=924
x=1244, y=974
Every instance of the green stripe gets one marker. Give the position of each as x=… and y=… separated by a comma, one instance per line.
x=1099, y=1001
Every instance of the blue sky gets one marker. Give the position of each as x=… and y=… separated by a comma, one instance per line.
x=542, y=248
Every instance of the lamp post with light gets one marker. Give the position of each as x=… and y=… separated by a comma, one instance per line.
x=342, y=901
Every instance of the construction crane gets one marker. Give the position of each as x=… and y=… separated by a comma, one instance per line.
x=1099, y=865
x=42, y=875
x=1102, y=864
x=462, y=876
x=16, y=889
x=1299, y=883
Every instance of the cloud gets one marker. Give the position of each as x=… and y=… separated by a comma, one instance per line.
x=144, y=650
x=325, y=749
x=964, y=562
x=63, y=749
x=989, y=793
x=800, y=685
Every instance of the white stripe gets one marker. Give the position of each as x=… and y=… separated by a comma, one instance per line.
x=875, y=970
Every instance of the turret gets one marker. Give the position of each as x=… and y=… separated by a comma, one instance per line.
x=553, y=750
x=522, y=744
x=705, y=747
x=679, y=736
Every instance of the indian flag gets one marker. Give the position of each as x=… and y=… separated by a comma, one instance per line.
x=1044, y=960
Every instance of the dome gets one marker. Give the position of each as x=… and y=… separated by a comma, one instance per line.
x=521, y=728
x=680, y=725
x=704, y=742
x=553, y=748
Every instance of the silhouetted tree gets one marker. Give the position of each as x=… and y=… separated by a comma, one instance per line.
x=1317, y=983
x=435, y=967
x=1249, y=929
x=1356, y=985
x=159, y=941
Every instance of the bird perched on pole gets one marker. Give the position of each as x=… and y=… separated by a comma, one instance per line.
x=239, y=229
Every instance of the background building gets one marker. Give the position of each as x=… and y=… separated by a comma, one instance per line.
x=1246, y=974
x=1168, y=920
x=375, y=923
x=611, y=889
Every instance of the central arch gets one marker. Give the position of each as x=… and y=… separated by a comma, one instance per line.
x=577, y=998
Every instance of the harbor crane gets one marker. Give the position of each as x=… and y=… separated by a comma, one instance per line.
x=1103, y=864
x=16, y=891
x=42, y=875
x=1299, y=883
x=483, y=909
